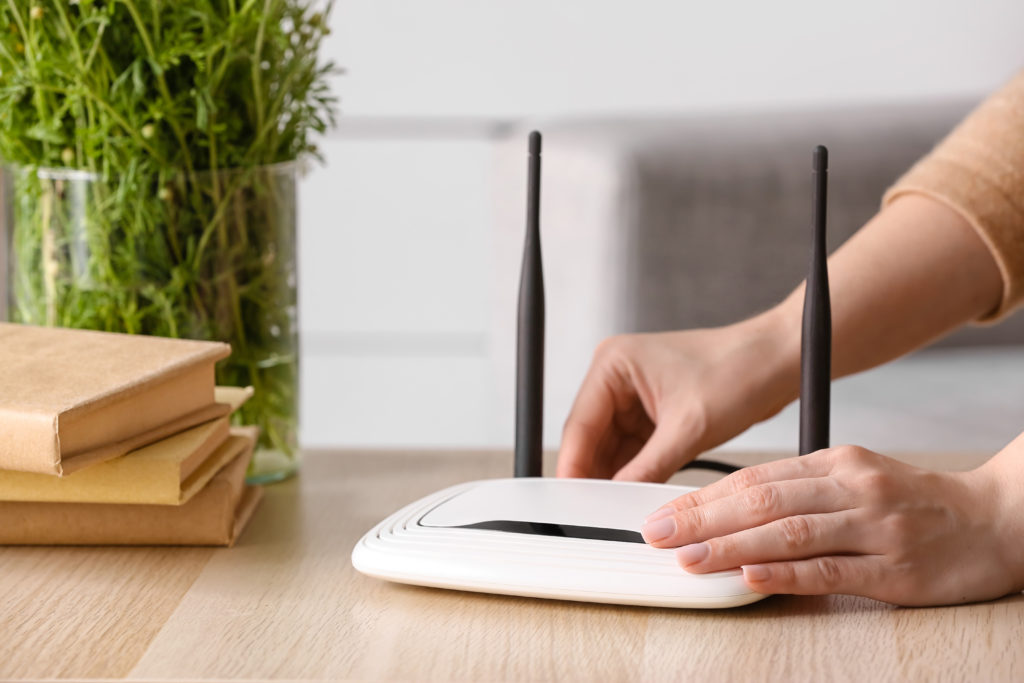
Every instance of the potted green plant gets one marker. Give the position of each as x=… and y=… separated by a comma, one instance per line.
x=151, y=152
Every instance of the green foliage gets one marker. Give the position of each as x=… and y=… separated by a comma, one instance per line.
x=195, y=85
x=176, y=221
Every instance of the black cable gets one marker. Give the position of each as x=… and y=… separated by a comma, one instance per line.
x=715, y=465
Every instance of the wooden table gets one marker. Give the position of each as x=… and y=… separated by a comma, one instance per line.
x=286, y=603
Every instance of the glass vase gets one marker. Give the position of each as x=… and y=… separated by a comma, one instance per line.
x=206, y=255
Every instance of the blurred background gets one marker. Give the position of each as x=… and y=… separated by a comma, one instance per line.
x=676, y=194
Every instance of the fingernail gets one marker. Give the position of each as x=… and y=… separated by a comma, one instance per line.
x=658, y=529
x=693, y=553
x=756, y=572
x=661, y=513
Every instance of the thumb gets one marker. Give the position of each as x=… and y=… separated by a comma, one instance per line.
x=671, y=445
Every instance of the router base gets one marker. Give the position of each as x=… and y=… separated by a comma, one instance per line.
x=566, y=539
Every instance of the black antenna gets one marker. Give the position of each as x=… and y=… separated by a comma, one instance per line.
x=530, y=341
x=816, y=340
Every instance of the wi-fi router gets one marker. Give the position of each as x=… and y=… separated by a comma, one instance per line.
x=577, y=539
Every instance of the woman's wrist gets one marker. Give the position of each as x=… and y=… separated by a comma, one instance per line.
x=999, y=484
x=775, y=335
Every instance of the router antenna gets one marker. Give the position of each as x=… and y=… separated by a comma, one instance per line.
x=816, y=339
x=530, y=340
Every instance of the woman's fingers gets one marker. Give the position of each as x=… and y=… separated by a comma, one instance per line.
x=746, y=508
x=668, y=448
x=587, y=427
x=579, y=449
x=851, y=575
x=791, y=538
x=816, y=464
x=608, y=423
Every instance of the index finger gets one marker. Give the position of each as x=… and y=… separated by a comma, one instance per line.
x=814, y=464
x=589, y=420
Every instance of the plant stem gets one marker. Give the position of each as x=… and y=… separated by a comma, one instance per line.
x=256, y=66
x=161, y=84
x=49, y=254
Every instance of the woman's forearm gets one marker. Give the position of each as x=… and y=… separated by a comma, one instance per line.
x=916, y=271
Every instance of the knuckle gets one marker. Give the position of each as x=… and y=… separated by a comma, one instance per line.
x=690, y=500
x=850, y=455
x=829, y=570
x=697, y=522
x=575, y=427
x=612, y=347
x=746, y=478
x=678, y=505
x=721, y=549
x=796, y=532
x=761, y=500
x=701, y=496
x=784, y=575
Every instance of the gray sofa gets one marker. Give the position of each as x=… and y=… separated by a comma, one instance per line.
x=667, y=223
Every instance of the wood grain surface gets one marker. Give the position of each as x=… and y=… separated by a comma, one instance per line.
x=285, y=603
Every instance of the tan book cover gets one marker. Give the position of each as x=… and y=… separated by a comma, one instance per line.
x=216, y=515
x=69, y=398
x=167, y=472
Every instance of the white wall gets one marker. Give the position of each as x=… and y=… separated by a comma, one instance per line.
x=576, y=57
x=395, y=228
x=393, y=293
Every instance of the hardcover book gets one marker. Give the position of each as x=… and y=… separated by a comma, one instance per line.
x=216, y=515
x=69, y=398
x=167, y=472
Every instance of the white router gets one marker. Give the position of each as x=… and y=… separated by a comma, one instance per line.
x=569, y=539
x=575, y=539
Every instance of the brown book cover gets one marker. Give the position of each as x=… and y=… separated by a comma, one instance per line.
x=69, y=398
x=216, y=515
x=167, y=472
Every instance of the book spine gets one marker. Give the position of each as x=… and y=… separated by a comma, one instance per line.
x=29, y=442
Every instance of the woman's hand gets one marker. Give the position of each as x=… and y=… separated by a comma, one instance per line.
x=702, y=387
x=650, y=403
x=847, y=520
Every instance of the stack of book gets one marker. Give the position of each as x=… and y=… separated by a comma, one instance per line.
x=119, y=439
